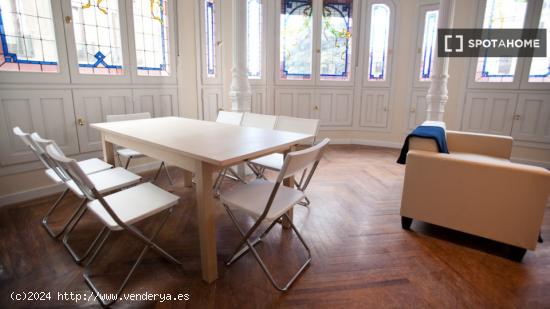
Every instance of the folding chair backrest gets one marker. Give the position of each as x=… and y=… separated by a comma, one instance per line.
x=126, y=117
x=71, y=167
x=259, y=121
x=297, y=161
x=34, y=146
x=41, y=145
x=233, y=118
x=298, y=125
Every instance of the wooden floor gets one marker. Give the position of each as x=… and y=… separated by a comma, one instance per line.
x=361, y=256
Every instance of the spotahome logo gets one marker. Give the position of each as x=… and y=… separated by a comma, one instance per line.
x=492, y=43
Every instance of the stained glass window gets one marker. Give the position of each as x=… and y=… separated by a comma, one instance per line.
x=27, y=36
x=500, y=14
x=428, y=45
x=97, y=36
x=254, y=38
x=296, y=39
x=151, y=33
x=540, y=66
x=378, y=46
x=336, y=39
x=210, y=26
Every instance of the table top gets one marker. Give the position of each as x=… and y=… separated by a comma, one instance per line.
x=215, y=143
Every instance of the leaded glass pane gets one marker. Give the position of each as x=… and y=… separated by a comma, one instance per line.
x=428, y=45
x=151, y=36
x=296, y=39
x=379, y=35
x=27, y=36
x=500, y=14
x=336, y=40
x=254, y=38
x=540, y=66
x=97, y=35
x=210, y=26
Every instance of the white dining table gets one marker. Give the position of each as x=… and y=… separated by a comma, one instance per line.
x=200, y=148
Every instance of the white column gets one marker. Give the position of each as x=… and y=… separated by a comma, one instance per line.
x=241, y=97
x=438, y=94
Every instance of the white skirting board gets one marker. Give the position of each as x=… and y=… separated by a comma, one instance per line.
x=49, y=190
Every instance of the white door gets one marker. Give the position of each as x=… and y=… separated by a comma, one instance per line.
x=491, y=113
x=532, y=118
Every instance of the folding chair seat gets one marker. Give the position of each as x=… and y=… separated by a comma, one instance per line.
x=119, y=211
x=269, y=202
x=130, y=154
x=90, y=166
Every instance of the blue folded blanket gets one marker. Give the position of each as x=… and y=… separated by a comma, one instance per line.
x=431, y=132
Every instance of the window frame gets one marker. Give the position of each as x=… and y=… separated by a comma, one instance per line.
x=367, y=15
x=172, y=78
x=535, y=20
x=519, y=72
x=16, y=77
x=78, y=78
x=264, y=46
x=423, y=9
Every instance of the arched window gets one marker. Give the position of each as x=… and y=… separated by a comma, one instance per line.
x=27, y=37
x=378, y=42
x=336, y=39
x=428, y=45
x=151, y=37
x=254, y=27
x=296, y=39
x=500, y=14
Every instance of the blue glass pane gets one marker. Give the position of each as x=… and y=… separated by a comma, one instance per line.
x=428, y=45
x=151, y=37
x=336, y=39
x=210, y=38
x=379, y=34
x=254, y=38
x=296, y=39
x=27, y=38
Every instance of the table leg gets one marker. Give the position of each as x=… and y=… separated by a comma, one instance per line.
x=108, y=150
x=207, y=224
x=289, y=182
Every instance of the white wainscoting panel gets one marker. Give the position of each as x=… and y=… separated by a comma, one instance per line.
x=92, y=106
x=159, y=102
x=417, y=108
x=374, y=108
x=295, y=103
x=212, y=101
x=334, y=106
x=259, y=100
x=533, y=125
x=48, y=112
x=489, y=112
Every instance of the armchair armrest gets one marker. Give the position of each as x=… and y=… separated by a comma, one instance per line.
x=496, y=199
x=483, y=144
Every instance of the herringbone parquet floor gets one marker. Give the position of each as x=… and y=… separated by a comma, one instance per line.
x=361, y=256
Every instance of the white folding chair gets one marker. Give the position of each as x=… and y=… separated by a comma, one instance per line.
x=275, y=161
x=119, y=211
x=89, y=166
x=268, y=201
x=232, y=118
x=106, y=181
x=128, y=153
x=259, y=121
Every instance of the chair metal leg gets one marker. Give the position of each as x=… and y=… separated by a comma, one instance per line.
x=305, y=203
x=128, y=162
x=118, y=159
x=50, y=211
x=234, y=175
x=148, y=245
x=163, y=166
x=251, y=244
x=77, y=258
x=218, y=182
